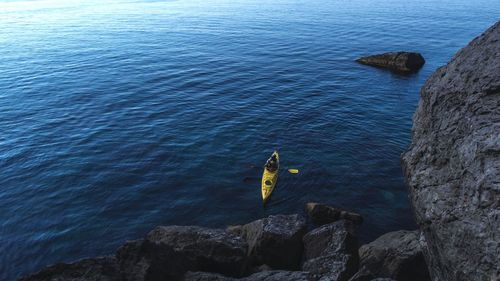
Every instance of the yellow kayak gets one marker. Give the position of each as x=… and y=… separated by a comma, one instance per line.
x=269, y=180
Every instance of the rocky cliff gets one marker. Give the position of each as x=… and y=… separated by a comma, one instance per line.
x=453, y=166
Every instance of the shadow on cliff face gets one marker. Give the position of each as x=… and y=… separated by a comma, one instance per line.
x=453, y=166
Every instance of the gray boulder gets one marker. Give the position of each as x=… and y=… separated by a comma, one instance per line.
x=168, y=252
x=275, y=240
x=205, y=276
x=453, y=164
x=272, y=275
x=279, y=275
x=262, y=267
x=97, y=269
x=143, y=260
x=331, y=251
x=406, y=62
x=322, y=214
x=396, y=255
x=363, y=274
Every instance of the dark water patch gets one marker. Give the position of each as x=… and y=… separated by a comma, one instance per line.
x=116, y=117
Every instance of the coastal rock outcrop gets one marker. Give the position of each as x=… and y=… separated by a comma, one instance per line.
x=272, y=275
x=97, y=269
x=169, y=251
x=322, y=214
x=363, y=274
x=205, y=276
x=331, y=251
x=453, y=164
x=406, y=62
x=397, y=255
x=275, y=241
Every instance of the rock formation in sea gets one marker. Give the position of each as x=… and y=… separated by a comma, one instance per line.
x=453, y=164
x=322, y=214
x=405, y=62
x=95, y=269
x=331, y=251
x=270, y=249
x=397, y=255
x=168, y=252
x=275, y=241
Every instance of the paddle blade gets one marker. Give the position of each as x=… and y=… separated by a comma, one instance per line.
x=293, y=171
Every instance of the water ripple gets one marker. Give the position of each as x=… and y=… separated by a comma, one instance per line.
x=120, y=116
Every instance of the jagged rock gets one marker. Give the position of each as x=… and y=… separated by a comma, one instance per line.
x=143, y=260
x=205, y=276
x=363, y=274
x=260, y=268
x=453, y=164
x=273, y=275
x=97, y=269
x=168, y=252
x=397, y=61
x=235, y=229
x=323, y=214
x=331, y=251
x=275, y=240
x=279, y=275
x=396, y=255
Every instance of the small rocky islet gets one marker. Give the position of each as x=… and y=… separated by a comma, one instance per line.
x=452, y=170
x=401, y=62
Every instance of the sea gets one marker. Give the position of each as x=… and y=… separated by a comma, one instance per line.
x=118, y=116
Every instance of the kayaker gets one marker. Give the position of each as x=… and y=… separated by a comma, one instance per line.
x=272, y=164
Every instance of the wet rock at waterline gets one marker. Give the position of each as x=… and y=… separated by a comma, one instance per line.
x=275, y=240
x=271, y=275
x=96, y=269
x=331, y=251
x=398, y=255
x=205, y=276
x=322, y=214
x=405, y=62
x=168, y=252
x=363, y=274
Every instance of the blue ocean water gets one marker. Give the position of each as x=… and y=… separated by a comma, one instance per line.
x=117, y=116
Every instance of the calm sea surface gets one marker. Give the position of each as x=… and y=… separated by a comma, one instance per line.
x=117, y=116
